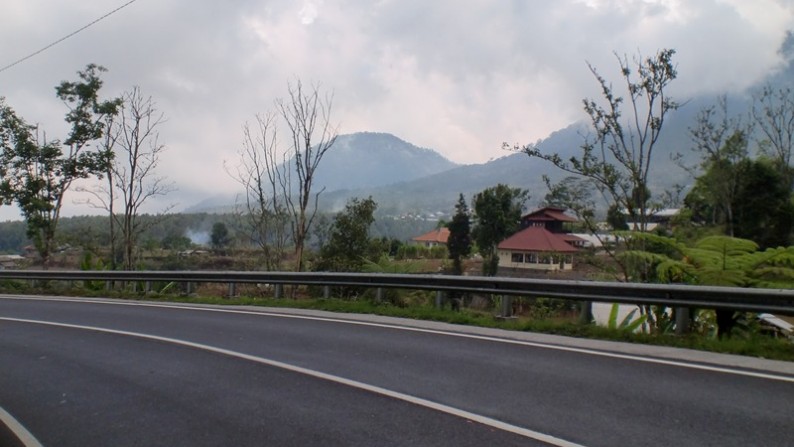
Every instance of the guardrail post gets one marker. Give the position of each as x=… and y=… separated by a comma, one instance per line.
x=147, y=287
x=439, y=299
x=585, y=312
x=232, y=289
x=681, y=320
x=326, y=292
x=379, y=294
x=507, y=306
x=189, y=288
x=278, y=291
x=108, y=285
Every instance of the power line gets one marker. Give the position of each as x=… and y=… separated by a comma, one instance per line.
x=65, y=37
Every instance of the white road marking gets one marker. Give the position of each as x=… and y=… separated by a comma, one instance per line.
x=484, y=420
x=637, y=358
x=24, y=436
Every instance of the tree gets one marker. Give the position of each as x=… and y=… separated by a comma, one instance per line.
x=275, y=198
x=219, y=237
x=14, y=135
x=773, y=114
x=41, y=171
x=307, y=115
x=349, y=242
x=763, y=209
x=497, y=212
x=459, y=242
x=722, y=143
x=130, y=154
x=616, y=161
x=616, y=219
x=264, y=175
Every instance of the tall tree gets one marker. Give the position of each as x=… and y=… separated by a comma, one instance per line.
x=773, y=114
x=763, y=209
x=264, y=174
x=14, y=134
x=43, y=171
x=307, y=115
x=721, y=142
x=131, y=152
x=497, y=212
x=616, y=160
x=459, y=242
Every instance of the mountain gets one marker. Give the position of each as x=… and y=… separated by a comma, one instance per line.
x=439, y=192
x=368, y=159
x=358, y=161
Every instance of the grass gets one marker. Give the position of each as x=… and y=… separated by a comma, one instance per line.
x=754, y=345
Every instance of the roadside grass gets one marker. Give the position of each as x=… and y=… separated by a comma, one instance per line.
x=754, y=345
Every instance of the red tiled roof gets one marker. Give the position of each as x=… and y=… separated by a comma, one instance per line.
x=439, y=235
x=549, y=213
x=571, y=238
x=537, y=239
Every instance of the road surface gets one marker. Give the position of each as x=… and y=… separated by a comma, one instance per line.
x=77, y=372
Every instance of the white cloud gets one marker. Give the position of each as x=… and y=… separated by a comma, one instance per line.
x=309, y=12
x=459, y=79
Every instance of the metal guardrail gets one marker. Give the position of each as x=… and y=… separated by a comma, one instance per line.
x=776, y=301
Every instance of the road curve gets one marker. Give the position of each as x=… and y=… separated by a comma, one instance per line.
x=104, y=372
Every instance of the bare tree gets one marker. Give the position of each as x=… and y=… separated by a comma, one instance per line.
x=264, y=174
x=132, y=153
x=307, y=115
x=773, y=113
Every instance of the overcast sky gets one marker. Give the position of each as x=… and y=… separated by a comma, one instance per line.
x=459, y=77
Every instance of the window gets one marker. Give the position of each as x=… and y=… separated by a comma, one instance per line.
x=517, y=257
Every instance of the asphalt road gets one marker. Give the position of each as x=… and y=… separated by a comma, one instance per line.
x=77, y=372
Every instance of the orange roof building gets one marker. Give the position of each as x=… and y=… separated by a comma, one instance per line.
x=439, y=236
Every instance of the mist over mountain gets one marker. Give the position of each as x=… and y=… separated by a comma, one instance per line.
x=368, y=159
x=358, y=161
x=404, y=178
x=439, y=192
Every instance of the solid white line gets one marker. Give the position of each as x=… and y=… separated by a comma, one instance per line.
x=637, y=358
x=24, y=436
x=484, y=420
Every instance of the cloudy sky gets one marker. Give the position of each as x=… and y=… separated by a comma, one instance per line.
x=459, y=77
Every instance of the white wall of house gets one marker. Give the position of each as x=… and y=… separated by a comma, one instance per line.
x=427, y=244
x=535, y=261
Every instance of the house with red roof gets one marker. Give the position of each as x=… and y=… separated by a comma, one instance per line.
x=551, y=218
x=543, y=243
x=433, y=238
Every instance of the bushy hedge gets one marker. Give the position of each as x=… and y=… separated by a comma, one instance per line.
x=412, y=251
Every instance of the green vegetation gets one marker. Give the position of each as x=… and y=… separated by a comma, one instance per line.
x=37, y=173
x=459, y=243
x=735, y=227
x=497, y=215
x=349, y=243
